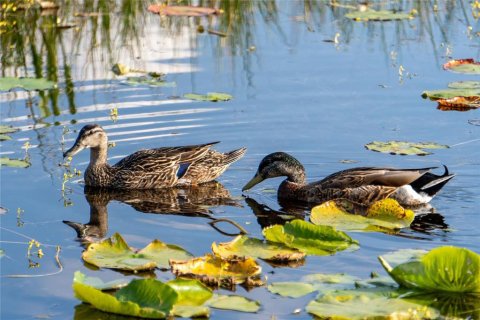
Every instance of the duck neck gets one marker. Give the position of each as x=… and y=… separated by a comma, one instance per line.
x=98, y=155
x=296, y=175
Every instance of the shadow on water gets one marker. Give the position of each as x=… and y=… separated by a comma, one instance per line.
x=189, y=201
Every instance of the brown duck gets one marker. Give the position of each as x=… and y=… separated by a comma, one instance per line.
x=153, y=168
x=363, y=185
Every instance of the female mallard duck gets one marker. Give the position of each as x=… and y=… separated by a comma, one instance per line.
x=153, y=168
x=363, y=185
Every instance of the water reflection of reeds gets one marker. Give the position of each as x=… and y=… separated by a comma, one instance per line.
x=37, y=43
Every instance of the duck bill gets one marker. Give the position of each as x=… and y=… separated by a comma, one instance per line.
x=255, y=180
x=77, y=147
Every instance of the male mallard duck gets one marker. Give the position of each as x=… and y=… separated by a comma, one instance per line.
x=363, y=185
x=153, y=168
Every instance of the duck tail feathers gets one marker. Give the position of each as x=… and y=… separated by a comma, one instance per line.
x=431, y=183
x=232, y=156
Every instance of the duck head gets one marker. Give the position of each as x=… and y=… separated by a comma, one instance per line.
x=91, y=136
x=278, y=164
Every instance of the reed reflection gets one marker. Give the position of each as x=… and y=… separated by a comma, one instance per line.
x=189, y=201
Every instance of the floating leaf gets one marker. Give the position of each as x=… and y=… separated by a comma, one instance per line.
x=309, y=238
x=190, y=292
x=8, y=83
x=243, y=246
x=97, y=283
x=469, y=84
x=215, y=270
x=145, y=298
x=4, y=137
x=120, y=69
x=211, y=96
x=450, y=305
x=185, y=311
x=377, y=303
x=448, y=268
x=233, y=302
x=291, y=289
x=403, y=147
x=190, y=11
x=17, y=163
x=374, y=15
x=459, y=103
x=451, y=93
x=386, y=213
x=7, y=129
x=154, y=82
x=463, y=66
x=116, y=254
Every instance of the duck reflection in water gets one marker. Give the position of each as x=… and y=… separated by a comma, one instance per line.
x=186, y=201
x=427, y=219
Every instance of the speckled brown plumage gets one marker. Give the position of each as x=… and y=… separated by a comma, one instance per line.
x=363, y=185
x=150, y=169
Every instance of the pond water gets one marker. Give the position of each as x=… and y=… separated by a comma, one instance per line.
x=305, y=80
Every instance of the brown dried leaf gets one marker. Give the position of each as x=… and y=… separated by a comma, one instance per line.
x=214, y=270
x=459, y=103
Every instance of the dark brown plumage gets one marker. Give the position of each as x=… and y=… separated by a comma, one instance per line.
x=150, y=169
x=363, y=185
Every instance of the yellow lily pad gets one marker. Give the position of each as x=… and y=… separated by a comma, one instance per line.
x=243, y=246
x=215, y=270
x=115, y=253
x=387, y=213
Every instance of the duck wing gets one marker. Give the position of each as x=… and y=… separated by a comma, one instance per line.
x=365, y=176
x=163, y=157
x=156, y=168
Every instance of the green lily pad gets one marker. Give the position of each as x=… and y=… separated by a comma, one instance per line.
x=190, y=292
x=185, y=311
x=4, y=137
x=404, y=148
x=374, y=15
x=97, y=283
x=154, y=82
x=8, y=83
x=377, y=303
x=16, y=163
x=144, y=298
x=234, y=303
x=291, y=289
x=114, y=253
x=469, y=66
x=243, y=246
x=309, y=238
x=7, y=129
x=384, y=215
x=211, y=96
x=469, y=84
x=449, y=269
x=451, y=93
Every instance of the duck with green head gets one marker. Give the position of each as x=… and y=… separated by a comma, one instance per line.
x=362, y=185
